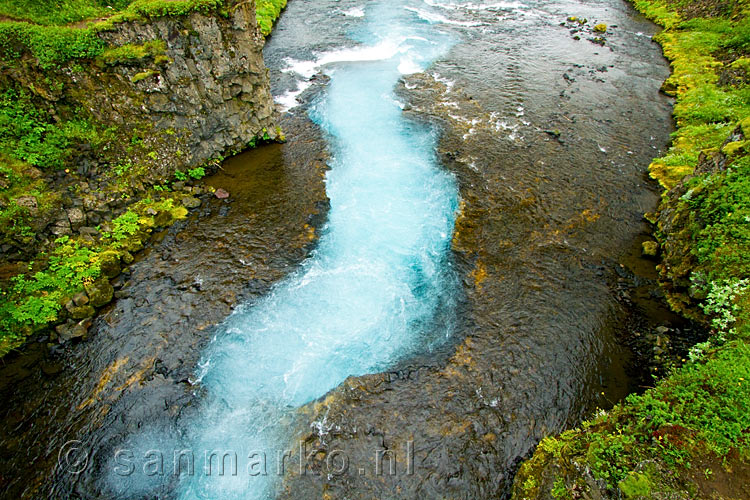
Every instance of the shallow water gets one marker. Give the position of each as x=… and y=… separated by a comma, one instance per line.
x=487, y=336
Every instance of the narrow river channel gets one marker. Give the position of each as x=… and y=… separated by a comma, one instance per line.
x=378, y=288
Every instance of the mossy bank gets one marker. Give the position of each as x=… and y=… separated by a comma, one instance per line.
x=108, y=112
x=687, y=436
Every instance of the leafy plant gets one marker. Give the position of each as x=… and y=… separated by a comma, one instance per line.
x=197, y=173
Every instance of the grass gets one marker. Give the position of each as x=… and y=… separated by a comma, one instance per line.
x=646, y=446
x=56, y=12
x=66, y=12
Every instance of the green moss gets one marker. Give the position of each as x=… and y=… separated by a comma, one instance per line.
x=131, y=53
x=50, y=46
x=600, y=28
x=636, y=485
x=143, y=75
x=143, y=10
x=267, y=11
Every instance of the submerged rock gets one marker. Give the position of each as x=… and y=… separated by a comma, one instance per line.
x=190, y=202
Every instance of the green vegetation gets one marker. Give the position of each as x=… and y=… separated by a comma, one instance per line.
x=127, y=54
x=44, y=33
x=655, y=444
x=23, y=199
x=38, y=297
x=267, y=11
x=28, y=133
x=197, y=173
x=51, y=46
x=56, y=12
x=702, y=51
x=42, y=131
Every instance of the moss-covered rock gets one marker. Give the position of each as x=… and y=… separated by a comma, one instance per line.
x=109, y=263
x=100, y=292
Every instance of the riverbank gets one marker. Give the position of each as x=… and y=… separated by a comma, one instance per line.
x=686, y=436
x=102, y=142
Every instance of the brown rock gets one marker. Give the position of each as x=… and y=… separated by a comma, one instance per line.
x=81, y=299
x=221, y=194
x=29, y=203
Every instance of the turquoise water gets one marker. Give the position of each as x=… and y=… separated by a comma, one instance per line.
x=378, y=287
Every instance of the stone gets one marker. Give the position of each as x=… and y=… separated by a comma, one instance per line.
x=76, y=217
x=109, y=263
x=164, y=218
x=79, y=312
x=221, y=194
x=151, y=211
x=100, y=292
x=81, y=329
x=29, y=203
x=61, y=228
x=650, y=249
x=190, y=202
x=80, y=299
x=64, y=331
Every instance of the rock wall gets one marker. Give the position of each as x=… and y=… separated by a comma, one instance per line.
x=203, y=94
x=214, y=89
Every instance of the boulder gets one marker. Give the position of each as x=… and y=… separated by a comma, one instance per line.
x=76, y=217
x=100, y=292
x=80, y=299
x=81, y=329
x=79, y=312
x=61, y=227
x=109, y=263
x=29, y=203
x=190, y=202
